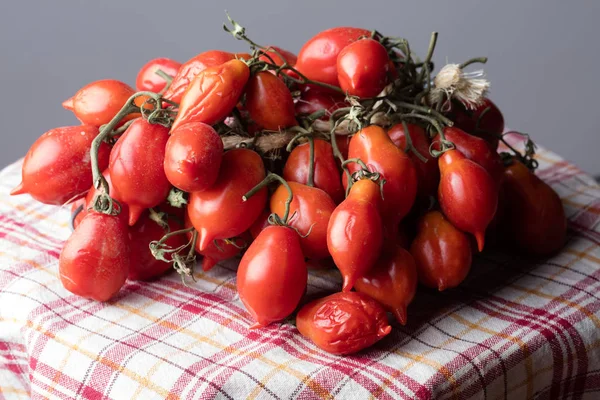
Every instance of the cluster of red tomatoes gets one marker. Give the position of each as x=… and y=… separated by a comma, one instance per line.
x=226, y=155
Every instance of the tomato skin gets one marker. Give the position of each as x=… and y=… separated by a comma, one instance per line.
x=213, y=94
x=193, y=157
x=343, y=323
x=310, y=211
x=57, y=167
x=288, y=56
x=219, y=212
x=475, y=149
x=392, y=281
x=94, y=261
x=317, y=59
x=270, y=102
x=326, y=176
x=428, y=173
x=533, y=215
x=272, y=275
x=442, y=253
x=148, y=80
x=191, y=68
x=355, y=232
x=363, y=68
x=136, y=167
x=313, y=100
x=490, y=126
x=465, y=185
x=98, y=102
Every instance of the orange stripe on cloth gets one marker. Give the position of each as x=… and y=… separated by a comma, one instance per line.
x=35, y=214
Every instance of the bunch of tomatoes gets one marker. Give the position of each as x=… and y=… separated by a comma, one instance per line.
x=336, y=158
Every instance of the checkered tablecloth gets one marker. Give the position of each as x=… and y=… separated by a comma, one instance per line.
x=515, y=329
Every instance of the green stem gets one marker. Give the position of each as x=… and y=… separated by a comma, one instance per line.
x=481, y=60
x=175, y=233
x=356, y=161
x=425, y=68
x=426, y=110
x=168, y=78
x=270, y=178
x=409, y=143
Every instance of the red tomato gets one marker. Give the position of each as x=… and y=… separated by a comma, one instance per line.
x=143, y=265
x=193, y=157
x=148, y=80
x=491, y=124
x=288, y=57
x=392, y=281
x=343, y=323
x=272, y=275
x=260, y=224
x=465, y=185
x=314, y=100
x=93, y=192
x=363, y=68
x=94, y=261
x=310, y=211
x=355, y=233
x=213, y=94
x=534, y=217
x=326, y=174
x=442, y=252
x=317, y=59
x=136, y=167
x=270, y=102
x=428, y=173
x=57, y=167
x=98, y=102
x=219, y=212
x=191, y=68
x=475, y=149
x=343, y=144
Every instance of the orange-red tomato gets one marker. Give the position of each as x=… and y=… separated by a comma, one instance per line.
x=270, y=102
x=363, y=68
x=148, y=80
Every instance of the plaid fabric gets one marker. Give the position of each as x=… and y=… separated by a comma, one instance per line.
x=515, y=329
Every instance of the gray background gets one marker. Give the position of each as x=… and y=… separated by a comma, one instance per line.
x=544, y=54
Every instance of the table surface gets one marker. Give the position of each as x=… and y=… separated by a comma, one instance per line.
x=514, y=329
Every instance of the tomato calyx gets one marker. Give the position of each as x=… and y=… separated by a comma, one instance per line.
x=527, y=158
x=182, y=263
x=363, y=173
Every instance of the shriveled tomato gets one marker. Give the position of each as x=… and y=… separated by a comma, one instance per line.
x=191, y=68
x=363, y=68
x=475, y=149
x=98, y=102
x=491, y=124
x=272, y=275
x=317, y=59
x=148, y=80
x=533, y=215
x=467, y=194
x=442, y=253
x=355, y=232
x=193, y=157
x=136, y=167
x=270, y=102
x=343, y=323
x=273, y=56
x=213, y=94
x=260, y=224
x=428, y=173
x=57, y=167
x=392, y=281
x=219, y=212
x=94, y=261
x=310, y=211
x=313, y=100
x=326, y=173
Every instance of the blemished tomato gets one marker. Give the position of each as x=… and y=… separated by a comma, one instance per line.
x=219, y=212
x=326, y=174
x=465, y=185
x=310, y=211
x=136, y=167
x=213, y=94
x=94, y=261
x=475, y=149
x=355, y=232
x=191, y=68
x=193, y=157
x=143, y=265
x=428, y=173
x=392, y=281
x=98, y=102
x=260, y=224
x=272, y=51
x=313, y=100
x=57, y=167
x=317, y=59
x=491, y=124
x=533, y=214
x=272, y=275
x=343, y=323
x=442, y=253
x=148, y=80
x=270, y=102
x=363, y=68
